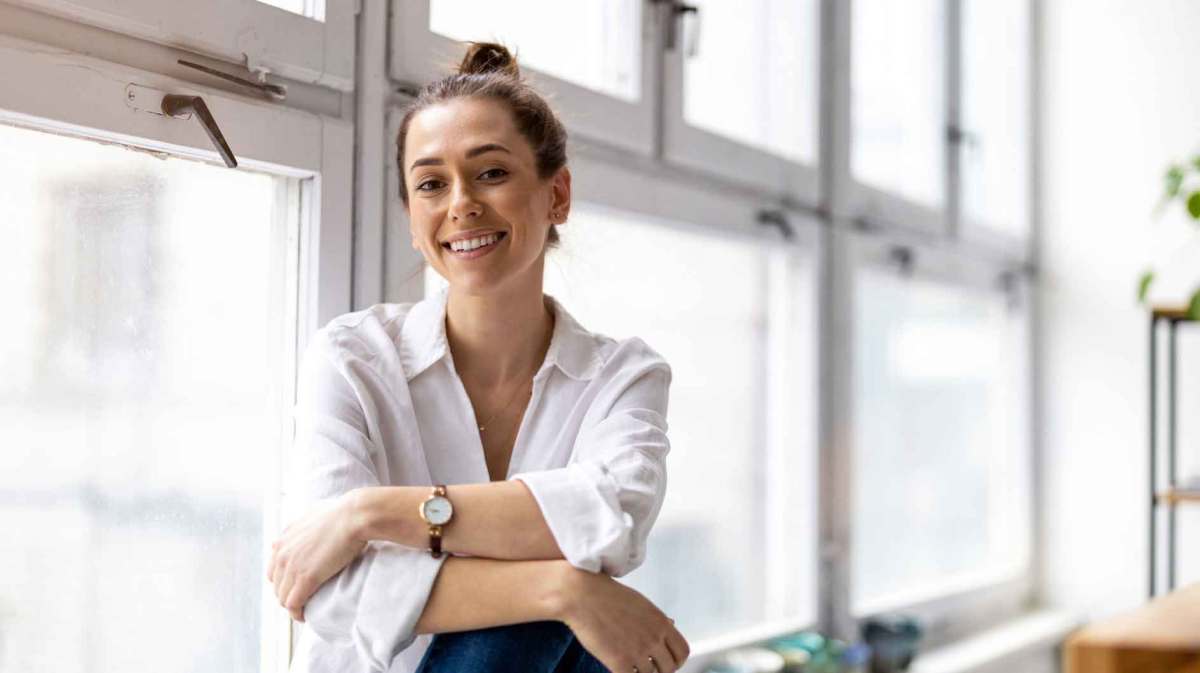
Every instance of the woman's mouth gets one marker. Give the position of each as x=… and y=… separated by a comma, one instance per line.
x=476, y=247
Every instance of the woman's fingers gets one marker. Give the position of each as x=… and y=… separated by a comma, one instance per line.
x=678, y=646
x=662, y=658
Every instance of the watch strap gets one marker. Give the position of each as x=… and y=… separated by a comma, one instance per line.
x=435, y=532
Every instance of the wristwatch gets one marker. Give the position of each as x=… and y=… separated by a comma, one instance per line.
x=436, y=511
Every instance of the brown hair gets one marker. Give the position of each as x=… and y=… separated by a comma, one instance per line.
x=488, y=70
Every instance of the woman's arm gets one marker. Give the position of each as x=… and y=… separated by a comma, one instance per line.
x=618, y=625
x=497, y=520
x=478, y=593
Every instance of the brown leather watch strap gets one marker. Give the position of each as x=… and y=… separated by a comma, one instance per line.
x=435, y=532
x=435, y=541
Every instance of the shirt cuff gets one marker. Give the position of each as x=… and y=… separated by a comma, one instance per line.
x=375, y=602
x=581, y=507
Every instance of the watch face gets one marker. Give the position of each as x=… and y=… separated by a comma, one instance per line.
x=438, y=510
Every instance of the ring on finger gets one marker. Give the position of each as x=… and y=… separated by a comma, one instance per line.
x=654, y=664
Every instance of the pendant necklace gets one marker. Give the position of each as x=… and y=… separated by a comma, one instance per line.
x=483, y=426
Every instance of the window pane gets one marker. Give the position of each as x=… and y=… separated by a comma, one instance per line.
x=941, y=455
x=313, y=9
x=713, y=307
x=995, y=110
x=754, y=77
x=898, y=111
x=593, y=43
x=140, y=406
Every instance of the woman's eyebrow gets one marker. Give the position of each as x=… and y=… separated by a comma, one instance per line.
x=471, y=153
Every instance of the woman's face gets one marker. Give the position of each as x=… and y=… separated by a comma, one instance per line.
x=468, y=170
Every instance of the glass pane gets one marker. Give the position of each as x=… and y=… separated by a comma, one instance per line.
x=995, y=109
x=941, y=477
x=313, y=9
x=140, y=406
x=712, y=307
x=898, y=110
x=593, y=43
x=754, y=77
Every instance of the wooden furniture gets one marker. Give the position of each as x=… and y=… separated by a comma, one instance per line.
x=1162, y=636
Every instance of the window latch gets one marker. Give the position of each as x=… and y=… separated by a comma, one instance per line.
x=679, y=12
x=174, y=105
x=776, y=218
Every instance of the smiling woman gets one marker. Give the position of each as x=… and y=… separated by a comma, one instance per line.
x=482, y=422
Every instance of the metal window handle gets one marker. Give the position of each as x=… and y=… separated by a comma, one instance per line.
x=275, y=92
x=776, y=218
x=679, y=11
x=175, y=105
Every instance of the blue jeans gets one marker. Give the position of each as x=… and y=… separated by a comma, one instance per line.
x=534, y=647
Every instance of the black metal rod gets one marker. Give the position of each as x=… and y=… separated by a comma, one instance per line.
x=1153, y=446
x=1172, y=425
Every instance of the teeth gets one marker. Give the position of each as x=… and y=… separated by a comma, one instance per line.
x=471, y=244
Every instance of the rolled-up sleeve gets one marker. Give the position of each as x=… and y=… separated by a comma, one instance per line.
x=374, y=603
x=601, y=506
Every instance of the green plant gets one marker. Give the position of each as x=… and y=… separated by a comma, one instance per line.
x=1176, y=178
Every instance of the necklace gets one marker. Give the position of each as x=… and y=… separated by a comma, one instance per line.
x=484, y=425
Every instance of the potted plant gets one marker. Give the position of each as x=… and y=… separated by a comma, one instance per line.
x=1179, y=189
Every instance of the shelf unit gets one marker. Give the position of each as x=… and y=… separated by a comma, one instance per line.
x=1171, y=496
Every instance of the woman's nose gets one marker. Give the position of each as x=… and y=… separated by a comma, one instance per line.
x=464, y=205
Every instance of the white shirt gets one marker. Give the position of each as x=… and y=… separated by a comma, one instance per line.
x=380, y=403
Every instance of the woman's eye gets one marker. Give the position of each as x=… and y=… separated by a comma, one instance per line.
x=499, y=171
x=428, y=185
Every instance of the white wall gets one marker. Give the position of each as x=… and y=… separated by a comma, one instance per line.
x=1120, y=101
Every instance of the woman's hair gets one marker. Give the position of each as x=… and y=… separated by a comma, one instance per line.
x=488, y=70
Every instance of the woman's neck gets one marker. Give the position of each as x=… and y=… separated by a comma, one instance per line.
x=498, y=337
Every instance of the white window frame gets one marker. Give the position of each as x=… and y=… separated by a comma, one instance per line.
x=983, y=234
x=874, y=207
x=416, y=53
x=697, y=149
x=246, y=32
x=88, y=99
x=950, y=612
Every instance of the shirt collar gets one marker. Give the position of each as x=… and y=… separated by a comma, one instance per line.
x=573, y=349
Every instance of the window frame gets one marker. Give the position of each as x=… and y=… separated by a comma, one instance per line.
x=875, y=206
x=416, y=55
x=245, y=32
x=980, y=233
x=697, y=149
x=264, y=137
x=950, y=612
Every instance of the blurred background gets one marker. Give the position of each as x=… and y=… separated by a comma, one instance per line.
x=926, y=272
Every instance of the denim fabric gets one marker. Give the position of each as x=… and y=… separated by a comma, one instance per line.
x=535, y=647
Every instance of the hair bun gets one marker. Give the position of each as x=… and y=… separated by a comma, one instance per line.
x=486, y=57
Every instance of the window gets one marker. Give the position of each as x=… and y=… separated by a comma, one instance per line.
x=941, y=460
x=143, y=402
x=599, y=50
x=589, y=57
x=994, y=152
x=156, y=301
x=743, y=87
x=898, y=99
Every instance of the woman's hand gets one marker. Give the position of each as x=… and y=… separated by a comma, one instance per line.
x=619, y=626
x=311, y=550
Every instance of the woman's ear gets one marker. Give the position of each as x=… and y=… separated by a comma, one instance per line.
x=560, y=196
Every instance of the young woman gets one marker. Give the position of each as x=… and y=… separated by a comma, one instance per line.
x=477, y=465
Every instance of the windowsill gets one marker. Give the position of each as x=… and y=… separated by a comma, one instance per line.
x=1025, y=634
